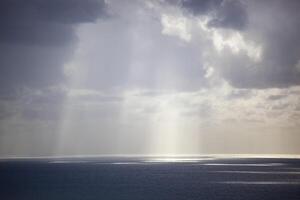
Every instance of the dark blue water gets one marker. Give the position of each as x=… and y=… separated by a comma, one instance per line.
x=138, y=178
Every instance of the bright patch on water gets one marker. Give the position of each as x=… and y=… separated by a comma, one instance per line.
x=245, y=164
x=259, y=182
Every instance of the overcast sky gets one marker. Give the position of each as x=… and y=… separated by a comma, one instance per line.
x=94, y=77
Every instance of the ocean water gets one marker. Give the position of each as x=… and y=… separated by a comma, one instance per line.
x=204, y=178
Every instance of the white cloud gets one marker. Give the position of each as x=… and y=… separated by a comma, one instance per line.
x=176, y=26
x=230, y=39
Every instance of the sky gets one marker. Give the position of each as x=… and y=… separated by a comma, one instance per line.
x=157, y=77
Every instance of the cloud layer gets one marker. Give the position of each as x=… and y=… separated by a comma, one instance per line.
x=149, y=77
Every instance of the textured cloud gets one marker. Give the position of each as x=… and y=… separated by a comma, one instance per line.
x=276, y=37
x=223, y=13
x=37, y=37
x=280, y=47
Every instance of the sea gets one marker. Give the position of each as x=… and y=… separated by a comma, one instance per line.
x=150, y=178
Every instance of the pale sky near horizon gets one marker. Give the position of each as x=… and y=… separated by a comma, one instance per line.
x=94, y=77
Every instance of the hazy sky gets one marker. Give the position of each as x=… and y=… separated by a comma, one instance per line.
x=85, y=77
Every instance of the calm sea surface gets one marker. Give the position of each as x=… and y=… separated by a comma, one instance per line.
x=150, y=178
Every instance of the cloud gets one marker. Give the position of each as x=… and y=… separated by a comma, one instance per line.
x=276, y=97
x=201, y=7
x=44, y=22
x=154, y=77
x=144, y=48
x=44, y=104
x=279, y=39
x=267, y=53
x=239, y=93
x=37, y=37
x=230, y=14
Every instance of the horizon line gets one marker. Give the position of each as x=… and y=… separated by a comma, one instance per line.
x=291, y=156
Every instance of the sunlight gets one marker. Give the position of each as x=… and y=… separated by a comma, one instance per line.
x=66, y=144
x=167, y=129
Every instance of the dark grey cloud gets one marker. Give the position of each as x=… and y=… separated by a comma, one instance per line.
x=230, y=14
x=275, y=26
x=44, y=22
x=276, y=97
x=31, y=66
x=201, y=7
x=37, y=37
